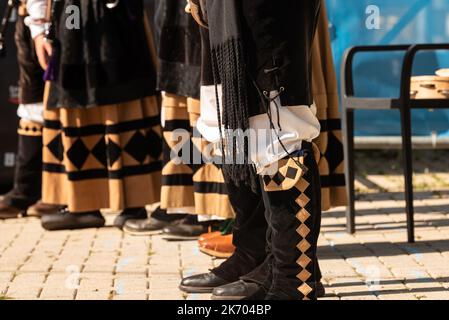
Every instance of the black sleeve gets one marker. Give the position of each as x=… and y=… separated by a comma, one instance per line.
x=263, y=17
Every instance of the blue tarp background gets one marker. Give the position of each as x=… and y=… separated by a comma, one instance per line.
x=401, y=22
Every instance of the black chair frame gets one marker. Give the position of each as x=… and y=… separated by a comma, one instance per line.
x=404, y=104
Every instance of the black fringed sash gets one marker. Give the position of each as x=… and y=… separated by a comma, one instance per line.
x=229, y=70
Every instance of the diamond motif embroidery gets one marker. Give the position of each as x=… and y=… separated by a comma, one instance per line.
x=291, y=173
x=303, y=230
x=305, y=289
x=302, y=200
x=303, y=215
x=278, y=178
x=195, y=166
x=304, y=275
x=114, y=152
x=303, y=185
x=303, y=260
x=137, y=147
x=78, y=153
x=56, y=148
x=267, y=180
x=99, y=152
x=154, y=142
x=304, y=245
x=333, y=152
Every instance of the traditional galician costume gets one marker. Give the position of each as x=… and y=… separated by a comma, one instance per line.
x=102, y=134
x=190, y=187
x=259, y=55
x=23, y=198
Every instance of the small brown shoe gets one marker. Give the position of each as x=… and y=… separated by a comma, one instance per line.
x=206, y=236
x=219, y=247
x=39, y=209
x=10, y=212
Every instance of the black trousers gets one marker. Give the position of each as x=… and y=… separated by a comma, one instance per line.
x=291, y=202
x=28, y=171
x=249, y=233
x=31, y=84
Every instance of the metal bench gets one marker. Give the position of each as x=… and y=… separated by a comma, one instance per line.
x=404, y=104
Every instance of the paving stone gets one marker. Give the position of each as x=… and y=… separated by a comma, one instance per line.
x=134, y=296
x=375, y=263
x=23, y=292
x=93, y=295
x=60, y=293
x=398, y=296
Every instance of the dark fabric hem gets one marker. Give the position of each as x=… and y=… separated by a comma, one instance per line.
x=179, y=78
x=109, y=95
x=30, y=96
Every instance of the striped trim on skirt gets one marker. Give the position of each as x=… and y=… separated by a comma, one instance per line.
x=198, y=188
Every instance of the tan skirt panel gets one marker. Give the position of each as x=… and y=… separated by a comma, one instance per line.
x=103, y=157
x=200, y=186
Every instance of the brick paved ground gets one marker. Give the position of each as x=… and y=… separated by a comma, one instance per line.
x=375, y=263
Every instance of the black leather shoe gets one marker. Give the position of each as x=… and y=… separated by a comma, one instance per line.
x=235, y=291
x=128, y=214
x=146, y=227
x=202, y=283
x=39, y=209
x=71, y=221
x=186, y=229
x=183, y=232
x=10, y=212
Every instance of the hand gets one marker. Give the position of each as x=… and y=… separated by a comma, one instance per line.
x=44, y=50
x=196, y=9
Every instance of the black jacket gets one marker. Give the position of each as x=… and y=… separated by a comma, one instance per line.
x=256, y=47
x=106, y=61
x=179, y=49
x=279, y=37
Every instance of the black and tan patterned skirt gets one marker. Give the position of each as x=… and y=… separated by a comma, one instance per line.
x=103, y=157
x=199, y=186
x=325, y=95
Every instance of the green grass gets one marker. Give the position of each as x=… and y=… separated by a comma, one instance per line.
x=3, y=297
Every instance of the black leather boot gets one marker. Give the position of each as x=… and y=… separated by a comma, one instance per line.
x=294, y=215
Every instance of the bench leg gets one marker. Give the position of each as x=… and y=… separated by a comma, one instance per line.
x=348, y=136
x=408, y=170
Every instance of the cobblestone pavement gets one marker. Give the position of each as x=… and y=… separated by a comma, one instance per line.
x=375, y=263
